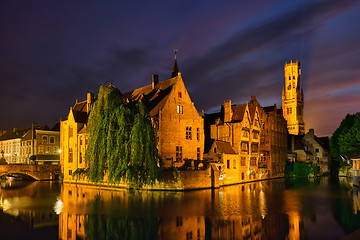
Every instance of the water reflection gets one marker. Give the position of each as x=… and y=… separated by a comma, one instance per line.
x=275, y=209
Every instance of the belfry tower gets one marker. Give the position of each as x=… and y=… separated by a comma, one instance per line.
x=293, y=99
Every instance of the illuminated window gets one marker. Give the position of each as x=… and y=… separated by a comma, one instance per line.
x=44, y=139
x=244, y=147
x=70, y=155
x=179, y=95
x=243, y=161
x=41, y=149
x=180, y=109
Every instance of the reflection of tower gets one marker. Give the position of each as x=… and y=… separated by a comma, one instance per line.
x=293, y=99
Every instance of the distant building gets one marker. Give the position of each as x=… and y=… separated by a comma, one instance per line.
x=310, y=149
x=293, y=99
x=41, y=145
x=10, y=145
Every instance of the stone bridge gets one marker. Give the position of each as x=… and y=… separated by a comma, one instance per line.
x=38, y=172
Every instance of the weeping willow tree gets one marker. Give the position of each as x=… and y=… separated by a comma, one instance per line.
x=122, y=141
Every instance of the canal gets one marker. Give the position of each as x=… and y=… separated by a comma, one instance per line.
x=276, y=209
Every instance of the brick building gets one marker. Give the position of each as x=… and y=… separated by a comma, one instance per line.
x=178, y=126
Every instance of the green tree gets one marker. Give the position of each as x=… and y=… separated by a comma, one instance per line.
x=122, y=140
x=345, y=141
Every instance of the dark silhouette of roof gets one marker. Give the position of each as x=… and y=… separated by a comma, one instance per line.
x=175, y=70
x=155, y=97
x=18, y=133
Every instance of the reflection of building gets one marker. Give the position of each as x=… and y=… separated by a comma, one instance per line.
x=293, y=99
x=41, y=145
x=182, y=227
x=356, y=172
x=10, y=145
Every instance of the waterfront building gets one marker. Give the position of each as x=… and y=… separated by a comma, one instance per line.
x=293, y=99
x=41, y=145
x=179, y=128
x=273, y=140
x=310, y=149
x=10, y=145
x=239, y=128
x=178, y=125
x=73, y=137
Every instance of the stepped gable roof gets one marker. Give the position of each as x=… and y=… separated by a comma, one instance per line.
x=155, y=97
x=20, y=133
x=238, y=112
x=224, y=147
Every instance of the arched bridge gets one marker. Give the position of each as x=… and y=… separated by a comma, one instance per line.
x=38, y=172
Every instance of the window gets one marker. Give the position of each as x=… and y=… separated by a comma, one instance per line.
x=234, y=163
x=52, y=139
x=189, y=235
x=180, y=109
x=294, y=77
x=41, y=149
x=197, y=134
x=80, y=141
x=214, y=150
x=179, y=95
x=178, y=153
x=44, y=139
x=188, y=133
x=316, y=150
x=70, y=131
x=256, y=135
x=228, y=164
x=178, y=221
x=244, y=147
x=198, y=153
x=48, y=149
x=70, y=155
x=253, y=161
x=70, y=172
x=245, y=133
x=242, y=178
x=80, y=157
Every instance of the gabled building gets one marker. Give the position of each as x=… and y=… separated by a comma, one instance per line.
x=73, y=137
x=178, y=126
x=41, y=145
x=10, y=145
x=237, y=126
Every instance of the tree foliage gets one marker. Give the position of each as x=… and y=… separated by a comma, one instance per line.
x=345, y=141
x=122, y=142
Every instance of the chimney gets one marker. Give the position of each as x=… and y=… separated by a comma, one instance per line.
x=227, y=111
x=155, y=80
x=311, y=131
x=89, y=100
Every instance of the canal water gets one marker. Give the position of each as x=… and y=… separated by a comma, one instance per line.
x=275, y=209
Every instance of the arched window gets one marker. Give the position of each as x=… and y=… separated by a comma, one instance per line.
x=44, y=139
x=242, y=176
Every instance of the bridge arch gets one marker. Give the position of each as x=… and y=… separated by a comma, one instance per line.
x=38, y=172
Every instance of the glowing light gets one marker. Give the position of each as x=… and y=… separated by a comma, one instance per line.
x=59, y=151
x=58, y=206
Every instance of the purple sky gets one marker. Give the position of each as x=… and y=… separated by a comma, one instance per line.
x=52, y=52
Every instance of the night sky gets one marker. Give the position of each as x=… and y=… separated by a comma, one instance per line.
x=53, y=52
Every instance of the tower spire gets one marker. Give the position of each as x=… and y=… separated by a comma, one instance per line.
x=175, y=70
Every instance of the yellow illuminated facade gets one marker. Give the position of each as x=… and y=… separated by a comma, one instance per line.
x=293, y=99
